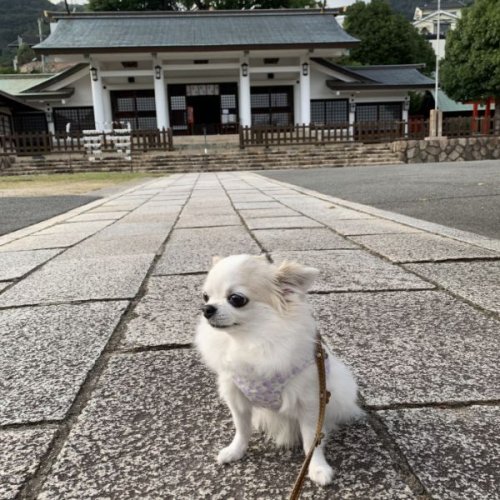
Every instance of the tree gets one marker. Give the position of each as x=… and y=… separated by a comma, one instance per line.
x=386, y=37
x=471, y=68
x=131, y=5
x=248, y=4
x=197, y=4
x=25, y=54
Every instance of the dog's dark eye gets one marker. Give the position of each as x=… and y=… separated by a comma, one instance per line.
x=237, y=300
x=205, y=297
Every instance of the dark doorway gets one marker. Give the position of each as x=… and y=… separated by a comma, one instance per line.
x=206, y=114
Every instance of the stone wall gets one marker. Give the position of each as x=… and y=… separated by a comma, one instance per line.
x=444, y=149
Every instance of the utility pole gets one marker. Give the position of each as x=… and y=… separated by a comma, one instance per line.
x=438, y=36
x=40, y=35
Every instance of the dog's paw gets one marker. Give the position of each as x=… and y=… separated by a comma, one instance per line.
x=230, y=454
x=321, y=474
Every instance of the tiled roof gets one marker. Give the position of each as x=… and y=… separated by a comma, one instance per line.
x=184, y=31
x=394, y=75
x=448, y=105
x=406, y=76
x=16, y=84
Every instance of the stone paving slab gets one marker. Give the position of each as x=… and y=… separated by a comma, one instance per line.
x=86, y=228
x=153, y=429
x=4, y=285
x=413, y=347
x=280, y=222
x=268, y=212
x=61, y=280
x=257, y=205
x=478, y=282
x=353, y=270
x=14, y=265
x=40, y=242
x=104, y=245
x=208, y=212
x=22, y=450
x=45, y=355
x=368, y=226
x=210, y=220
x=334, y=214
x=242, y=198
x=89, y=216
x=167, y=314
x=138, y=228
x=112, y=209
x=301, y=239
x=455, y=452
x=191, y=250
x=415, y=247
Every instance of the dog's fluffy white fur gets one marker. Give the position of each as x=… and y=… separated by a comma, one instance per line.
x=271, y=333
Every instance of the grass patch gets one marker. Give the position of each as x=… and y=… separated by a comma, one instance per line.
x=58, y=184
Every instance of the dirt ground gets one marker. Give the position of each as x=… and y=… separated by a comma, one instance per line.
x=64, y=184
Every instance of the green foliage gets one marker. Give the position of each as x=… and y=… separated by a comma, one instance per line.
x=25, y=54
x=7, y=70
x=133, y=5
x=471, y=68
x=386, y=37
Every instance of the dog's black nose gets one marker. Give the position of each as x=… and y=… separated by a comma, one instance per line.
x=208, y=310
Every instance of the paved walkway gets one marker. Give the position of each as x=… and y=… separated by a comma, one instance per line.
x=102, y=395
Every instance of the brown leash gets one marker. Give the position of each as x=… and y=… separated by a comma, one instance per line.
x=324, y=396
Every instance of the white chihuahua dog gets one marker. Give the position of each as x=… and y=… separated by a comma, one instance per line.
x=258, y=335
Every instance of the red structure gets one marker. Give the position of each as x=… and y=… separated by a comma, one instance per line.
x=476, y=118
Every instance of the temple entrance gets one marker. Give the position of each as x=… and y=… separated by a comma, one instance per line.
x=204, y=114
x=199, y=108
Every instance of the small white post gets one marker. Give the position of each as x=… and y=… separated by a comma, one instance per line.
x=108, y=113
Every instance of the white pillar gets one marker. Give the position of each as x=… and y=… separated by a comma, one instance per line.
x=50, y=120
x=244, y=94
x=108, y=113
x=352, y=117
x=97, y=97
x=406, y=106
x=161, y=97
x=296, y=104
x=305, y=90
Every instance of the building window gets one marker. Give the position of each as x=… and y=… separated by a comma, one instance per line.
x=329, y=111
x=5, y=124
x=30, y=122
x=79, y=119
x=272, y=105
x=136, y=108
x=390, y=111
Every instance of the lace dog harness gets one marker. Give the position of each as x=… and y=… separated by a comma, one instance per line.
x=266, y=392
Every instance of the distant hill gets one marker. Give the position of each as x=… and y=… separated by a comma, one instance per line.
x=20, y=18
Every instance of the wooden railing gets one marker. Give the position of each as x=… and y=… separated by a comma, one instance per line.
x=467, y=126
x=35, y=143
x=380, y=131
x=368, y=132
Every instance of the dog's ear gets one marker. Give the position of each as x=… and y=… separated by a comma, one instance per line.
x=216, y=259
x=292, y=277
